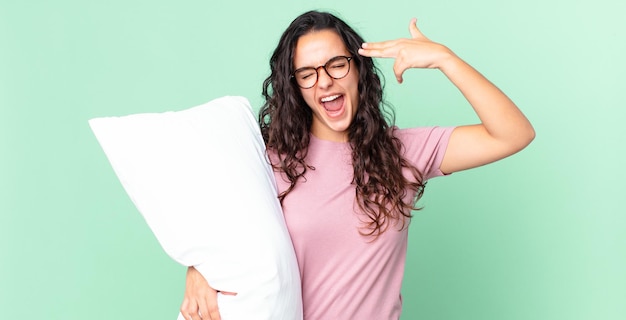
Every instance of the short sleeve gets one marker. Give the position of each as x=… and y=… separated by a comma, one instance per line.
x=425, y=147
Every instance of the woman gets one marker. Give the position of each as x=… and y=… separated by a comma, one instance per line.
x=348, y=179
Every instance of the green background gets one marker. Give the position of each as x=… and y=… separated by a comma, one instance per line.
x=540, y=235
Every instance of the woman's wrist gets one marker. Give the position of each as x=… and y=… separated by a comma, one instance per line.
x=447, y=61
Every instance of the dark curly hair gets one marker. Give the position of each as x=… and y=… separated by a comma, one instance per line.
x=285, y=121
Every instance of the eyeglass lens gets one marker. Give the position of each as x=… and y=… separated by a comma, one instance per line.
x=336, y=68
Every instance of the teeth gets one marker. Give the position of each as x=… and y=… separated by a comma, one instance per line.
x=330, y=98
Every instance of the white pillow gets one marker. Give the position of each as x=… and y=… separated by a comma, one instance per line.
x=201, y=179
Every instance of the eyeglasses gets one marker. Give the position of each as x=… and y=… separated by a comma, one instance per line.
x=336, y=68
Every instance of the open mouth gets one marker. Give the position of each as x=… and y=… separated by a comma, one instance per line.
x=333, y=104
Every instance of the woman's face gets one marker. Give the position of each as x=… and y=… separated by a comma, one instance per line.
x=333, y=101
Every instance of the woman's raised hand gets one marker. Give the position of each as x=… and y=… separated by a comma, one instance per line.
x=414, y=52
x=503, y=129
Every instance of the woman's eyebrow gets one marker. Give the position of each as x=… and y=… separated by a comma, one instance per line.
x=315, y=67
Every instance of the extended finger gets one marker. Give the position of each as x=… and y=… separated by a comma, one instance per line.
x=379, y=44
x=372, y=53
x=381, y=52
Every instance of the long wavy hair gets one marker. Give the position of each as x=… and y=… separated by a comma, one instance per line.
x=285, y=121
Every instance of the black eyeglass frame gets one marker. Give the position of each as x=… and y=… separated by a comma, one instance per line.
x=317, y=70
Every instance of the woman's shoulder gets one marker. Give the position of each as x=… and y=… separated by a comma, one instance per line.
x=422, y=134
x=425, y=147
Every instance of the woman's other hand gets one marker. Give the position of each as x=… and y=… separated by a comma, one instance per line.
x=200, y=301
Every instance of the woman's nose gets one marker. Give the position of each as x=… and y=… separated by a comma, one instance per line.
x=323, y=79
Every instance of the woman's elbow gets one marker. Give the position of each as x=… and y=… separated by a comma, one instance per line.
x=525, y=137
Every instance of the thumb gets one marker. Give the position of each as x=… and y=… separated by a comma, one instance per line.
x=415, y=32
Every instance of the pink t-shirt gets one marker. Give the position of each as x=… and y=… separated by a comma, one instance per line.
x=346, y=275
